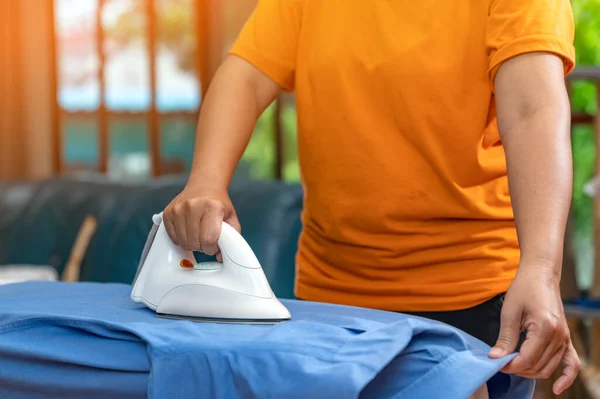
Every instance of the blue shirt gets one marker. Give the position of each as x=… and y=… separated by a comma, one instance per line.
x=60, y=340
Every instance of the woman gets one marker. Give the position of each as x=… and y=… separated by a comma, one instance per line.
x=415, y=119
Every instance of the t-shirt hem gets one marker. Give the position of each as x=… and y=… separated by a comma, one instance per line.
x=406, y=303
x=529, y=44
x=270, y=68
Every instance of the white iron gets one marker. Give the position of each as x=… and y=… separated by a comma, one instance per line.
x=170, y=282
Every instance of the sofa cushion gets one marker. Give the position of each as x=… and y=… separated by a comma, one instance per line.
x=39, y=222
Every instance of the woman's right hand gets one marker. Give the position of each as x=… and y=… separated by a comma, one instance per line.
x=193, y=219
x=238, y=95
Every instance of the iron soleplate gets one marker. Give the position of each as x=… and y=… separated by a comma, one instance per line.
x=221, y=320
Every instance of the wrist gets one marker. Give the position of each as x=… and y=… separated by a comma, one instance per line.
x=201, y=186
x=207, y=180
x=541, y=268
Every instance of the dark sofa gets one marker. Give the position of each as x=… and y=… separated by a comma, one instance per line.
x=39, y=222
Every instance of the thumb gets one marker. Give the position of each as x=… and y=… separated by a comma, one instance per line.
x=232, y=220
x=508, y=339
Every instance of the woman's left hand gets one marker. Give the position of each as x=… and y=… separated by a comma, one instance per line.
x=533, y=304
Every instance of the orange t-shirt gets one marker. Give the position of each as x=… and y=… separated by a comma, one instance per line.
x=407, y=205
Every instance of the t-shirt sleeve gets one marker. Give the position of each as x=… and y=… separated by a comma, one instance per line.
x=269, y=39
x=515, y=27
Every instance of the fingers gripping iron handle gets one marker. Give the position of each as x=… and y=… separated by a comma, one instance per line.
x=233, y=246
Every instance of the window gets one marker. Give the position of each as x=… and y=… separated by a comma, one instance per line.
x=131, y=74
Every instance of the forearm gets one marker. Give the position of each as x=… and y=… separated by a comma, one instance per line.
x=534, y=120
x=538, y=154
x=237, y=97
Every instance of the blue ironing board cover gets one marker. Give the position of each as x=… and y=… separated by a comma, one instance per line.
x=88, y=340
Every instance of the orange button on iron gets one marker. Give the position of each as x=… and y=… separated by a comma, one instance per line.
x=186, y=264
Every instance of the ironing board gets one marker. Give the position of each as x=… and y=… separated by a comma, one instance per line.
x=60, y=340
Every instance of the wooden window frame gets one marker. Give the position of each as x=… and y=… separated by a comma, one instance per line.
x=207, y=13
x=153, y=115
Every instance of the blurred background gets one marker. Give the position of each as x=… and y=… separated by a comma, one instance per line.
x=111, y=89
x=124, y=80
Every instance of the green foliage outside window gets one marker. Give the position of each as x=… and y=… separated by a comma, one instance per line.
x=260, y=153
x=587, y=44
